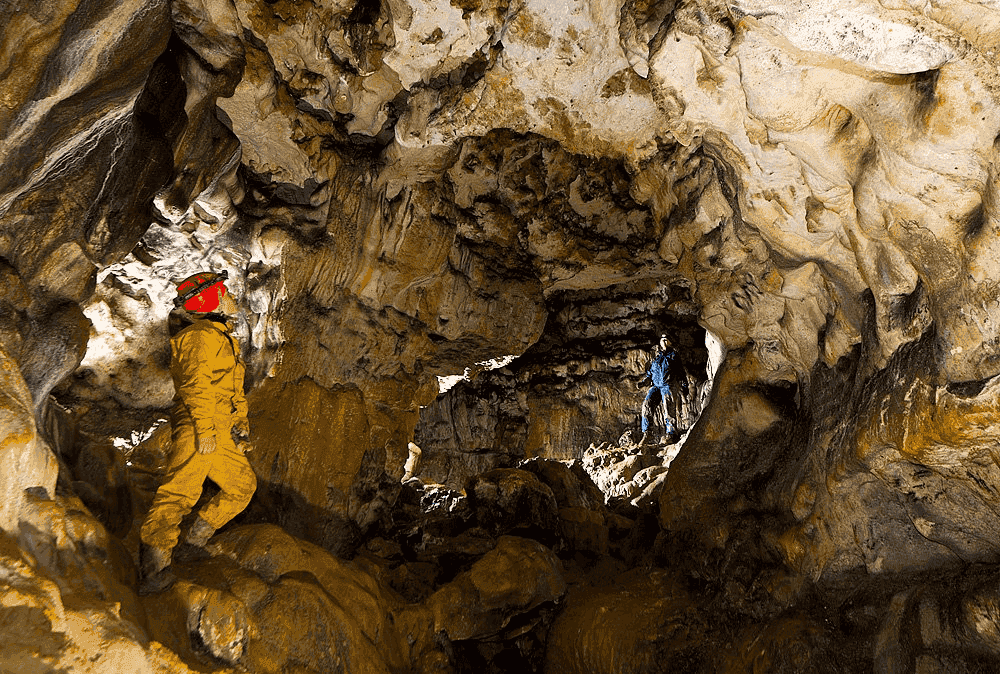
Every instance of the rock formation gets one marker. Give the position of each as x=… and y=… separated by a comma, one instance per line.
x=803, y=195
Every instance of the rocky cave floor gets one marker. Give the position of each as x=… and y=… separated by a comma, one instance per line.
x=550, y=566
x=493, y=562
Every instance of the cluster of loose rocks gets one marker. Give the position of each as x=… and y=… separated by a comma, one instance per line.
x=630, y=472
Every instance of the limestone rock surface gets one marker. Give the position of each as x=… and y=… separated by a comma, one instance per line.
x=404, y=189
x=267, y=602
x=601, y=624
x=67, y=598
x=29, y=463
x=515, y=577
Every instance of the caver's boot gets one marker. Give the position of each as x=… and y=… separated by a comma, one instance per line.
x=645, y=440
x=154, y=569
x=199, y=533
x=193, y=547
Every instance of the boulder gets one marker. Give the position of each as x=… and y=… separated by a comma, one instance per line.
x=621, y=473
x=67, y=602
x=512, y=500
x=647, y=615
x=571, y=487
x=517, y=576
x=584, y=530
x=582, y=512
x=268, y=602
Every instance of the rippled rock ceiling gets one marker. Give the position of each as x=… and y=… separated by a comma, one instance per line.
x=403, y=189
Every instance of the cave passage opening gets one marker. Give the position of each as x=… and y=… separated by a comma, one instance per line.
x=575, y=395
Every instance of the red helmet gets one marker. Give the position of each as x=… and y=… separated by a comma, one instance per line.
x=201, y=292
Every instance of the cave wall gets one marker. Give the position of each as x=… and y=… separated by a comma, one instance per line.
x=85, y=144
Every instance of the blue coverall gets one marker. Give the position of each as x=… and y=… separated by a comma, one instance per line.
x=659, y=392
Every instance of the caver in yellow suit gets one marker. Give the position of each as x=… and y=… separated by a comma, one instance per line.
x=209, y=410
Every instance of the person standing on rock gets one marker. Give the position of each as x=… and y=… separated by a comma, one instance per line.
x=210, y=429
x=659, y=393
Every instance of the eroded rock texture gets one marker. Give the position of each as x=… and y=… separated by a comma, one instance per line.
x=403, y=189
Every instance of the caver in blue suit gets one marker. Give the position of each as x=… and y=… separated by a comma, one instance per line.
x=659, y=393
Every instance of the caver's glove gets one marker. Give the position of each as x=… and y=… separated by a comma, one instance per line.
x=206, y=444
x=241, y=430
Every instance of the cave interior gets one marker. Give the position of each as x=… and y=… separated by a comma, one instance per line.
x=455, y=231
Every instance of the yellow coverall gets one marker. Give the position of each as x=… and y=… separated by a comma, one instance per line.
x=208, y=371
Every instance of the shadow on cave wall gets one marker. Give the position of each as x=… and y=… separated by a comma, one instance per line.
x=285, y=507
